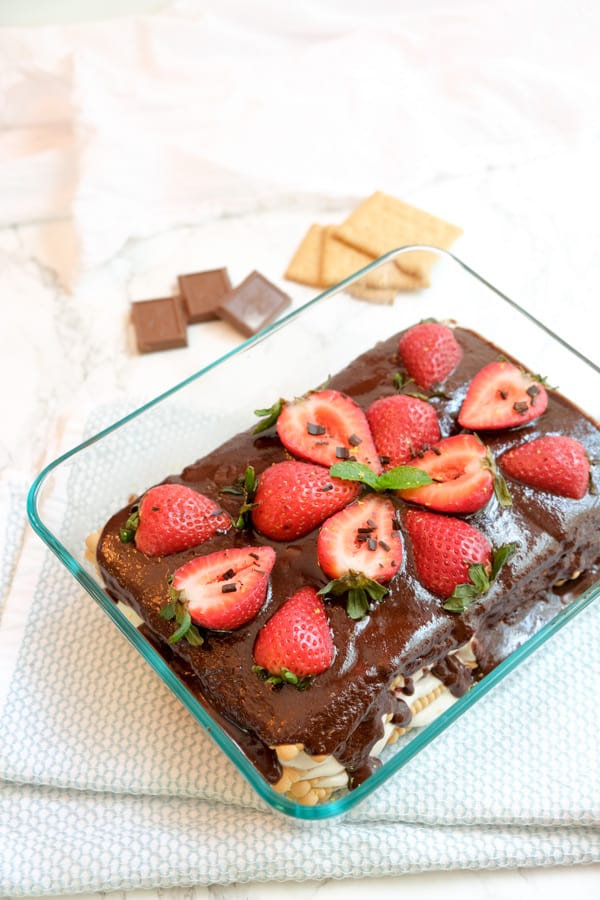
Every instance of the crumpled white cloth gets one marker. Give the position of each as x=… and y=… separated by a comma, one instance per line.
x=116, y=787
x=131, y=126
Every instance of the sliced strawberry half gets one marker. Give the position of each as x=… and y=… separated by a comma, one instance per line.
x=326, y=427
x=173, y=517
x=226, y=589
x=361, y=538
x=554, y=463
x=294, y=497
x=429, y=352
x=296, y=642
x=444, y=549
x=462, y=472
x=402, y=426
x=502, y=396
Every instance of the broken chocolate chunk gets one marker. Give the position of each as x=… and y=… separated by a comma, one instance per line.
x=253, y=304
x=202, y=293
x=159, y=324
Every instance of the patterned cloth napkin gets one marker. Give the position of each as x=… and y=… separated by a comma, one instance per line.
x=117, y=787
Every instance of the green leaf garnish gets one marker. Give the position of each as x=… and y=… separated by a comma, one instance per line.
x=464, y=595
x=127, y=533
x=269, y=415
x=360, y=589
x=402, y=478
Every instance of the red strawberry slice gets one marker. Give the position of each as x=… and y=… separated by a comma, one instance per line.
x=226, y=589
x=296, y=640
x=402, y=426
x=444, y=548
x=429, y=352
x=294, y=497
x=173, y=517
x=554, y=463
x=502, y=396
x=361, y=538
x=326, y=427
x=463, y=479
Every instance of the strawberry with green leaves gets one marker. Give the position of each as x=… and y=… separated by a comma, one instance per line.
x=173, y=517
x=501, y=395
x=453, y=559
x=463, y=477
x=402, y=426
x=325, y=427
x=360, y=550
x=293, y=498
x=220, y=591
x=429, y=352
x=296, y=643
x=554, y=463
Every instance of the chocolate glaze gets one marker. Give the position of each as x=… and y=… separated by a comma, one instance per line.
x=341, y=712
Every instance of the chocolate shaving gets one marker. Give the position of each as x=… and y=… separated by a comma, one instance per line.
x=228, y=574
x=313, y=428
x=371, y=543
x=521, y=407
x=342, y=452
x=228, y=588
x=354, y=440
x=326, y=487
x=384, y=546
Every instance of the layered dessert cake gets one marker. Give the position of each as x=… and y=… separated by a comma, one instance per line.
x=346, y=570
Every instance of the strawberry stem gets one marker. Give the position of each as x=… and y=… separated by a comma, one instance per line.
x=360, y=591
x=464, y=595
x=270, y=415
x=127, y=533
x=177, y=609
x=285, y=677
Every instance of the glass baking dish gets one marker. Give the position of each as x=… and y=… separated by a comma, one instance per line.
x=79, y=491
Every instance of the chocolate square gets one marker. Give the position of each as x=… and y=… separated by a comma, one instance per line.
x=159, y=324
x=202, y=292
x=253, y=304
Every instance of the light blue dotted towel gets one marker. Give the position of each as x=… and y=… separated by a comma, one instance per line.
x=115, y=786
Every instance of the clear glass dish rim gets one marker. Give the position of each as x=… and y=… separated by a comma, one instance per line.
x=392, y=765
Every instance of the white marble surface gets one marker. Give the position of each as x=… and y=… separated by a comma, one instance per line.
x=531, y=228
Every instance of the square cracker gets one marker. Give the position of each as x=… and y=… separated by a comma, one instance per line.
x=382, y=223
x=340, y=260
x=305, y=266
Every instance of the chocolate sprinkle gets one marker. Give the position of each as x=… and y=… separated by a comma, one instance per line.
x=313, y=428
x=521, y=407
x=342, y=452
x=384, y=546
x=228, y=574
x=354, y=440
x=372, y=544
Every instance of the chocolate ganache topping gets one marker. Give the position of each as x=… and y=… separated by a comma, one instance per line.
x=342, y=711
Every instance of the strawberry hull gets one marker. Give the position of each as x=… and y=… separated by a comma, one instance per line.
x=342, y=713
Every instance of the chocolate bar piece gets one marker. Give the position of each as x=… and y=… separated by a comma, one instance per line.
x=253, y=304
x=202, y=292
x=159, y=324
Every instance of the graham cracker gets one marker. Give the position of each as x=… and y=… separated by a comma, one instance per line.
x=382, y=223
x=305, y=266
x=362, y=291
x=340, y=260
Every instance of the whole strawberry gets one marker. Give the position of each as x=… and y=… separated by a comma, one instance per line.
x=402, y=426
x=554, y=463
x=294, y=497
x=444, y=548
x=429, y=352
x=296, y=642
x=171, y=518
